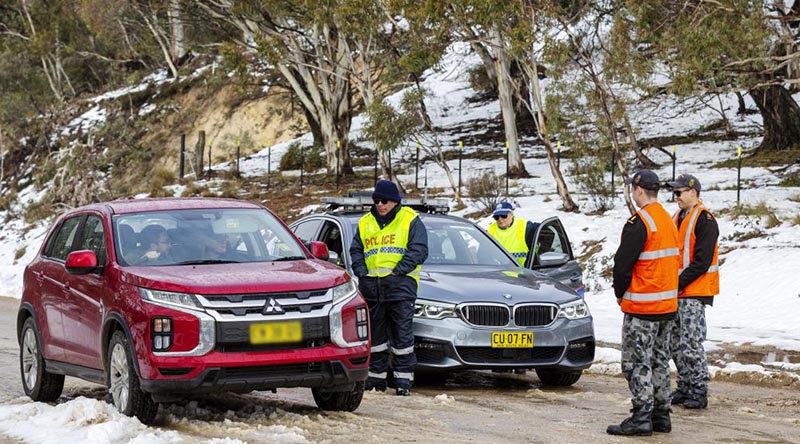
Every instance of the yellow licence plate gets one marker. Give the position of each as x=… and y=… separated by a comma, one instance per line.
x=276, y=332
x=512, y=339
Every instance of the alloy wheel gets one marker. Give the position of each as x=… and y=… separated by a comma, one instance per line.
x=120, y=381
x=30, y=358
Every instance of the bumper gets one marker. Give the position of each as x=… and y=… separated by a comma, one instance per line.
x=217, y=372
x=450, y=344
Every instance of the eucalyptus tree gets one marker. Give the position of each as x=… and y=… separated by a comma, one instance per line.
x=728, y=45
x=303, y=41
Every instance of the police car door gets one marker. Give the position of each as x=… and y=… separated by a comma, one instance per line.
x=553, y=255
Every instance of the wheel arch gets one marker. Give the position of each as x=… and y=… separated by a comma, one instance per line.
x=114, y=322
x=26, y=311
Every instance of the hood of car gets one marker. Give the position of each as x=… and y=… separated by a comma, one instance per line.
x=238, y=278
x=456, y=284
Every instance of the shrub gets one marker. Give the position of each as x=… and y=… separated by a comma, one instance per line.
x=311, y=158
x=486, y=190
x=760, y=211
x=19, y=253
x=589, y=173
x=160, y=178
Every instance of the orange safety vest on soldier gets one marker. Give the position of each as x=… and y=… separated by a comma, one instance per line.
x=654, y=284
x=708, y=283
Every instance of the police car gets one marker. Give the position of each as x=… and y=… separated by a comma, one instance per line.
x=477, y=308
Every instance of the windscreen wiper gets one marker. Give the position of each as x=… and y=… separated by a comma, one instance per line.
x=289, y=258
x=207, y=261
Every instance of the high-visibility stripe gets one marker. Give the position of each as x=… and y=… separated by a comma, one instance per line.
x=650, y=296
x=711, y=269
x=404, y=375
x=658, y=254
x=403, y=351
x=379, y=348
x=688, y=238
x=648, y=219
x=377, y=375
x=379, y=271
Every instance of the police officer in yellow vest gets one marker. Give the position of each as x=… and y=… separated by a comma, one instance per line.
x=388, y=249
x=646, y=286
x=514, y=234
x=698, y=282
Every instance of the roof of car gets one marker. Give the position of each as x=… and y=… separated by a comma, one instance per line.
x=123, y=206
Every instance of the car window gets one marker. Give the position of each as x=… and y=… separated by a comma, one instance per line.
x=461, y=243
x=92, y=238
x=65, y=238
x=202, y=236
x=306, y=230
x=331, y=235
x=552, y=239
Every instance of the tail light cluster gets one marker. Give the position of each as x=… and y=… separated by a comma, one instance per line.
x=161, y=333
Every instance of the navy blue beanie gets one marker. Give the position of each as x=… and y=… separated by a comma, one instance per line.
x=386, y=189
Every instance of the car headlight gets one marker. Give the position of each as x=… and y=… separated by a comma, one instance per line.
x=344, y=291
x=434, y=310
x=574, y=310
x=184, y=300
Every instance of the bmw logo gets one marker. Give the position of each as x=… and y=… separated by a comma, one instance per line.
x=506, y=296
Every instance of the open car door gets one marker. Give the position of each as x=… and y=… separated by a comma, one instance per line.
x=553, y=255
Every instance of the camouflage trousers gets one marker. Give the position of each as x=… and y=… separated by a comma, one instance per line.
x=645, y=361
x=688, y=334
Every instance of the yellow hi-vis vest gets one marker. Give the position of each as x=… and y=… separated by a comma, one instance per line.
x=708, y=283
x=384, y=248
x=512, y=238
x=654, y=284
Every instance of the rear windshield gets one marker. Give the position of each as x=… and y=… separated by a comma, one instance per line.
x=183, y=237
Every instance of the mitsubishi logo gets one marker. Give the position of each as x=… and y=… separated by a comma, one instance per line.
x=272, y=307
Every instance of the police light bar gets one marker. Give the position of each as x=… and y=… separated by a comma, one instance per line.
x=364, y=202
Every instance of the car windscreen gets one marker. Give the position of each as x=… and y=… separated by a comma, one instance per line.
x=451, y=242
x=202, y=236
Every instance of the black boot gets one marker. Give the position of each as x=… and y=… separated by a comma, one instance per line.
x=700, y=402
x=379, y=385
x=661, y=421
x=639, y=424
x=678, y=397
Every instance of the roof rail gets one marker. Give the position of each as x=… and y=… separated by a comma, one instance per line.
x=360, y=203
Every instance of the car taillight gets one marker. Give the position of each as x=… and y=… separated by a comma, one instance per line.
x=349, y=323
x=161, y=332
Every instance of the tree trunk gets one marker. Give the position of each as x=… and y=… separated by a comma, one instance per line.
x=176, y=26
x=781, y=116
x=505, y=90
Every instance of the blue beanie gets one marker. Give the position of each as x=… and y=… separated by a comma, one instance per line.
x=386, y=189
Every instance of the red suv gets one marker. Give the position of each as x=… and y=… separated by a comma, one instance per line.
x=162, y=298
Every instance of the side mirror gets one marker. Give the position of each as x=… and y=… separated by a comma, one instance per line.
x=319, y=250
x=333, y=257
x=553, y=259
x=81, y=262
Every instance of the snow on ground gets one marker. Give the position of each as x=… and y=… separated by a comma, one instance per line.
x=759, y=298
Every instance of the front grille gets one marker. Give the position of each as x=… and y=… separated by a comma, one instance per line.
x=239, y=298
x=234, y=337
x=428, y=351
x=175, y=371
x=534, y=315
x=486, y=315
x=247, y=347
x=489, y=355
x=266, y=306
x=273, y=370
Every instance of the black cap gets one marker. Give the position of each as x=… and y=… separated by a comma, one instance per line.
x=645, y=179
x=685, y=180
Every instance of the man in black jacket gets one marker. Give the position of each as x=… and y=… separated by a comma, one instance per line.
x=388, y=249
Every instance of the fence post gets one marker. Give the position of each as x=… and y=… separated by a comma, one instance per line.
x=238, y=169
x=674, y=158
x=375, y=175
x=558, y=155
x=210, y=145
x=338, y=156
x=198, y=155
x=416, y=170
x=183, y=156
x=613, y=160
x=460, y=150
x=508, y=160
x=739, y=175
x=302, y=167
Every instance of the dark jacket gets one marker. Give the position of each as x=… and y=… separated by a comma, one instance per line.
x=397, y=286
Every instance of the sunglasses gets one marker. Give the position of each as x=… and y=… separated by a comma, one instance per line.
x=380, y=201
x=500, y=217
x=677, y=193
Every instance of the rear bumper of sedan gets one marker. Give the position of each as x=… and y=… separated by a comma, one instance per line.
x=451, y=344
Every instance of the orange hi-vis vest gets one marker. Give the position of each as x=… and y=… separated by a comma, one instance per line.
x=654, y=284
x=708, y=283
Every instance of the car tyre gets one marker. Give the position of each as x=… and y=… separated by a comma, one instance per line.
x=558, y=378
x=38, y=383
x=346, y=401
x=123, y=382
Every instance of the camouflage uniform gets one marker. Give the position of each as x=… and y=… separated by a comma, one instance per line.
x=645, y=361
x=688, y=334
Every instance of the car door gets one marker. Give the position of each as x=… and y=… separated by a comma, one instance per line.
x=306, y=229
x=553, y=255
x=50, y=275
x=331, y=234
x=86, y=293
